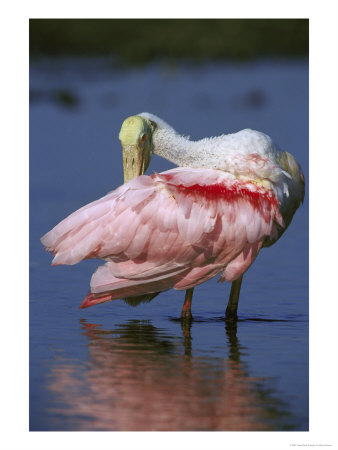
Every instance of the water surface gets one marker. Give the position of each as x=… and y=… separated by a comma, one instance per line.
x=117, y=367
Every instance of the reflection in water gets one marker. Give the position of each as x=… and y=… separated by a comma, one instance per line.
x=140, y=378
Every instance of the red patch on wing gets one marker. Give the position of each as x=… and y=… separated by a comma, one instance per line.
x=256, y=195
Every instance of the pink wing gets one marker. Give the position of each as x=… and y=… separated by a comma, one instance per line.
x=174, y=229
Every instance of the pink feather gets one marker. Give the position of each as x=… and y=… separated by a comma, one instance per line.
x=174, y=229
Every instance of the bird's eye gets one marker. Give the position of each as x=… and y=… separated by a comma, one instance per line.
x=143, y=137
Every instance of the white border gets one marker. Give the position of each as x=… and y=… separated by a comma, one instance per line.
x=323, y=223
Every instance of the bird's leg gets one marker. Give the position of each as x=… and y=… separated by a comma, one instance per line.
x=186, y=310
x=231, y=311
x=186, y=330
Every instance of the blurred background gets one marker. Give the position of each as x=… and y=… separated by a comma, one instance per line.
x=115, y=367
x=140, y=41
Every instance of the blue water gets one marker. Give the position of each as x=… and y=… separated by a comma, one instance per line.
x=118, y=367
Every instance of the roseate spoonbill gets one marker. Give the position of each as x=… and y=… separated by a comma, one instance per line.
x=232, y=195
x=138, y=145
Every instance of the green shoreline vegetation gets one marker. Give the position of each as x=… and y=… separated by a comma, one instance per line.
x=139, y=41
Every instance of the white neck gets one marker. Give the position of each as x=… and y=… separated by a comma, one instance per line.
x=176, y=148
x=170, y=145
x=231, y=153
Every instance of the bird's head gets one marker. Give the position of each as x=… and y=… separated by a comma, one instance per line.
x=136, y=140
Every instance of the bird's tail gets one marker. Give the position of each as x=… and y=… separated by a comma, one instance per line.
x=94, y=298
x=105, y=287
